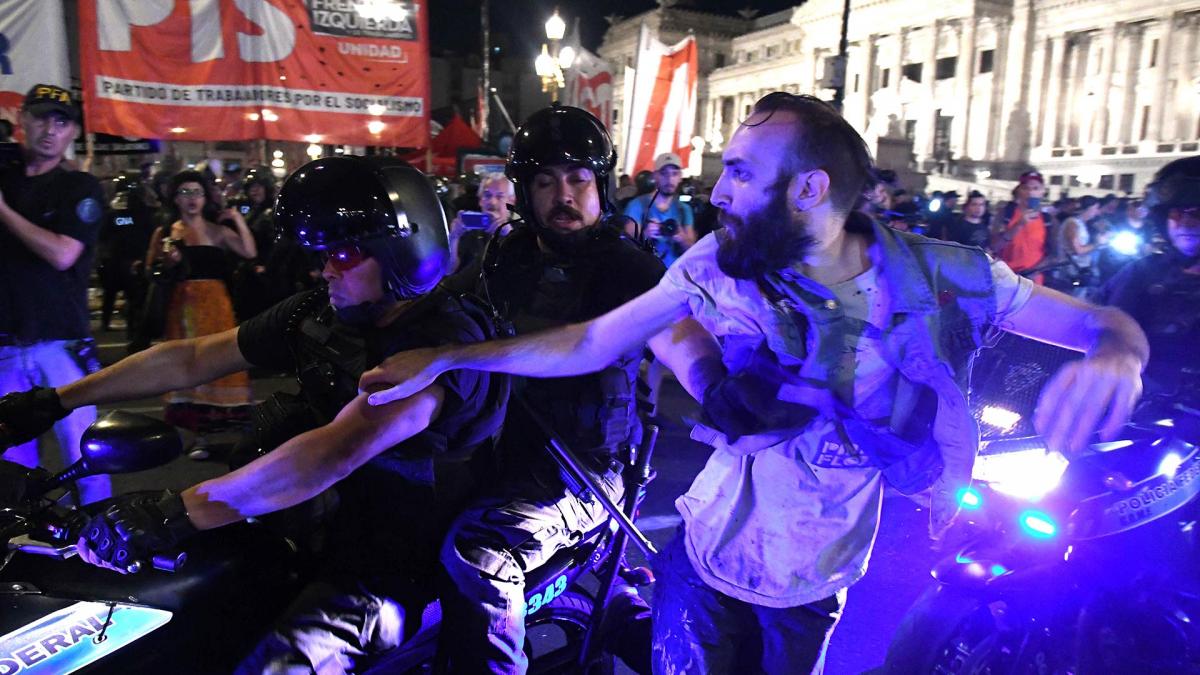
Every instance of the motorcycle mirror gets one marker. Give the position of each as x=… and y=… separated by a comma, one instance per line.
x=121, y=442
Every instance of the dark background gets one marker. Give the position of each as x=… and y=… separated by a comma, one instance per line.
x=454, y=24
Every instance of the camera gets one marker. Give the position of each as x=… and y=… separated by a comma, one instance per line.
x=475, y=220
x=668, y=227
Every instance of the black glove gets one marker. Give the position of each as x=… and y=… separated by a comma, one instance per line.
x=25, y=415
x=16, y=481
x=135, y=528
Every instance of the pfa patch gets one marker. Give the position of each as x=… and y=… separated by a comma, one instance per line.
x=89, y=210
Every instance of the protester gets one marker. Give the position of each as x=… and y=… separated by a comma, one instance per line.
x=1019, y=233
x=193, y=250
x=839, y=337
x=972, y=227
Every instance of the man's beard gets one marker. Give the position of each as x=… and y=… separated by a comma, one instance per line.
x=763, y=241
x=565, y=242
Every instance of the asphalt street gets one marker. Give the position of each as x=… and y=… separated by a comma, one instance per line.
x=899, y=568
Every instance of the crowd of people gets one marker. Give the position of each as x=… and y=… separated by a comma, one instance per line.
x=827, y=346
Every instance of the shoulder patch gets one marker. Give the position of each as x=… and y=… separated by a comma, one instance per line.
x=88, y=210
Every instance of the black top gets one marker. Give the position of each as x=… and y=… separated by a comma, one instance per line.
x=37, y=302
x=535, y=290
x=1166, y=304
x=395, y=505
x=205, y=262
x=967, y=233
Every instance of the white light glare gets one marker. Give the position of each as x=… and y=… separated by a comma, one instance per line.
x=375, y=127
x=566, y=57
x=376, y=109
x=381, y=10
x=313, y=150
x=1027, y=474
x=1126, y=243
x=1001, y=418
x=1169, y=465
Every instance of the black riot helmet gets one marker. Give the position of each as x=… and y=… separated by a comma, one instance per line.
x=560, y=135
x=1175, y=186
x=383, y=205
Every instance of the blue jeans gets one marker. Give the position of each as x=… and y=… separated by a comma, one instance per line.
x=51, y=364
x=700, y=630
x=490, y=547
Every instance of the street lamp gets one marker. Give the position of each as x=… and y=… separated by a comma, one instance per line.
x=554, y=59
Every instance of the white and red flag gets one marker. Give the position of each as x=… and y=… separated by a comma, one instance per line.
x=589, y=81
x=662, y=109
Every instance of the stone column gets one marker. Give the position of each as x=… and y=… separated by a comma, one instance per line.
x=868, y=79
x=1102, y=116
x=999, y=69
x=928, y=72
x=1073, y=122
x=1052, y=98
x=964, y=83
x=898, y=65
x=1179, y=124
x=1134, y=34
x=1162, y=97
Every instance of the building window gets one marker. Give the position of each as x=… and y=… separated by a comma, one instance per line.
x=1154, y=52
x=772, y=52
x=1056, y=180
x=750, y=56
x=1145, y=123
x=987, y=60
x=944, y=68
x=1106, y=182
x=912, y=71
x=1125, y=183
x=883, y=78
x=856, y=83
x=910, y=129
x=719, y=60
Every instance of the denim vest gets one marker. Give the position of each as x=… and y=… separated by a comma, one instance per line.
x=941, y=308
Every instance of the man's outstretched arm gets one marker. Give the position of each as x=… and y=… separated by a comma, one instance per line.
x=1097, y=392
x=170, y=365
x=307, y=464
x=560, y=352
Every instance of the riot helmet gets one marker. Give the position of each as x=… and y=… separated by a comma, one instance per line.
x=560, y=135
x=259, y=176
x=1175, y=186
x=381, y=204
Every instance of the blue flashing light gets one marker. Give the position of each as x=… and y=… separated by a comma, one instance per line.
x=935, y=205
x=1038, y=525
x=999, y=570
x=969, y=498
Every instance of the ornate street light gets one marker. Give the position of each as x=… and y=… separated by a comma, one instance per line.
x=554, y=59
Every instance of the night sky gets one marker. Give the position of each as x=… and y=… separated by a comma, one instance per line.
x=454, y=24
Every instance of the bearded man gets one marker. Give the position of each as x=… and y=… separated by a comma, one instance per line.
x=845, y=355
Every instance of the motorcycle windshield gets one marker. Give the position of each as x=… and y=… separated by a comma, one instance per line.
x=66, y=640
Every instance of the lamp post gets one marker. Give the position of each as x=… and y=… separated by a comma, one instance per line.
x=554, y=59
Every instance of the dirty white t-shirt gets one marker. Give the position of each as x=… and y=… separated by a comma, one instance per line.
x=794, y=522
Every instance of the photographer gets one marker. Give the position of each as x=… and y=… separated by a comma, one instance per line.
x=49, y=223
x=470, y=231
x=660, y=216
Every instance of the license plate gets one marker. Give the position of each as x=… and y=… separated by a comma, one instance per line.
x=70, y=638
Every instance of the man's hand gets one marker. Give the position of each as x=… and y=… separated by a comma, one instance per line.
x=134, y=529
x=943, y=503
x=653, y=230
x=1075, y=402
x=25, y=415
x=406, y=373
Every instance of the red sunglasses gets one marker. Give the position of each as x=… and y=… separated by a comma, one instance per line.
x=345, y=257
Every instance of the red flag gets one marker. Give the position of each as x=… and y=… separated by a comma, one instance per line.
x=663, y=106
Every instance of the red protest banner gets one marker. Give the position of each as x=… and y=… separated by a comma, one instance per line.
x=323, y=71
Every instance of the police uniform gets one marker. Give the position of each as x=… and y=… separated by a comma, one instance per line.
x=44, y=334
x=533, y=514
x=381, y=540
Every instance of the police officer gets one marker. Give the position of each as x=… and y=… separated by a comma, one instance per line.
x=124, y=237
x=253, y=280
x=49, y=222
x=1162, y=291
x=566, y=261
x=400, y=472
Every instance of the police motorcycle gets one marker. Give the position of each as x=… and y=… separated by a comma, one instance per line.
x=198, y=612
x=1079, y=565
x=201, y=609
